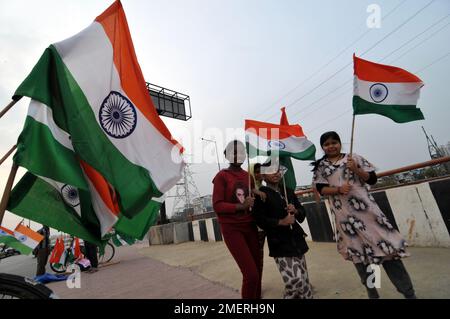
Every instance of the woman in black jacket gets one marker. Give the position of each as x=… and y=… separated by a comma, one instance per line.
x=285, y=236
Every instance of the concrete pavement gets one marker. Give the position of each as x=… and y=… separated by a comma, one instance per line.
x=207, y=270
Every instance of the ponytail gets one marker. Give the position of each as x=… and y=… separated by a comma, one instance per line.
x=317, y=163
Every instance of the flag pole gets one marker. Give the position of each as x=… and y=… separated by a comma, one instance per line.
x=10, y=105
x=7, y=154
x=353, y=132
x=249, y=179
x=7, y=191
x=286, y=198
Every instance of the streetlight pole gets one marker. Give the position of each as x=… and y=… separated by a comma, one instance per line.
x=217, y=154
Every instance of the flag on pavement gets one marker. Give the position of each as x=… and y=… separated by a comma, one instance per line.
x=264, y=139
x=386, y=90
x=90, y=102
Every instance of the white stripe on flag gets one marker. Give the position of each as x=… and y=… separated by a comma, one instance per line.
x=94, y=40
x=397, y=93
x=43, y=114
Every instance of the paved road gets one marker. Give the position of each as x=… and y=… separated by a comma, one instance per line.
x=137, y=276
x=206, y=270
x=20, y=265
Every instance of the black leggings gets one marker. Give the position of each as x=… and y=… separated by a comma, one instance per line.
x=396, y=272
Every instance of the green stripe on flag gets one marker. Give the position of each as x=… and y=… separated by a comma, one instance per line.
x=289, y=176
x=138, y=226
x=12, y=242
x=41, y=154
x=397, y=113
x=51, y=78
x=308, y=154
x=35, y=199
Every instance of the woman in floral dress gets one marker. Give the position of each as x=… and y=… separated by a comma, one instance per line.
x=364, y=235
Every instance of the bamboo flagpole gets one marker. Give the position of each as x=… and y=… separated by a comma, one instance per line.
x=10, y=105
x=7, y=154
x=286, y=197
x=249, y=179
x=353, y=133
x=7, y=191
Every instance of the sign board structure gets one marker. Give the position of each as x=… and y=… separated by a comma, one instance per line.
x=170, y=103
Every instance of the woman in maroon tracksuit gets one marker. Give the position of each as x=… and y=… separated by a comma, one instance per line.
x=232, y=204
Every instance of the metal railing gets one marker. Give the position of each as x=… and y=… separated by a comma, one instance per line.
x=433, y=162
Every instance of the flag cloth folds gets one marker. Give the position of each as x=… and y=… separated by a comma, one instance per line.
x=286, y=161
x=7, y=238
x=57, y=205
x=89, y=90
x=58, y=253
x=138, y=226
x=265, y=139
x=120, y=239
x=386, y=90
x=76, y=251
x=27, y=236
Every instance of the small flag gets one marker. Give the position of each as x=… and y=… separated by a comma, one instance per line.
x=7, y=238
x=386, y=90
x=76, y=248
x=264, y=139
x=27, y=236
x=58, y=253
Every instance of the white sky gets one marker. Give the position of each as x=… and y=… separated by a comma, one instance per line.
x=237, y=59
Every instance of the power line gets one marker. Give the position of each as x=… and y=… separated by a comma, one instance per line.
x=415, y=37
x=366, y=51
x=329, y=62
x=401, y=25
x=432, y=63
x=421, y=42
x=307, y=107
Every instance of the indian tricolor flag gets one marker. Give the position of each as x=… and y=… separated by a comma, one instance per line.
x=90, y=103
x=265, y=139
x=27, y=236
x=7, y=238
x=386, y=90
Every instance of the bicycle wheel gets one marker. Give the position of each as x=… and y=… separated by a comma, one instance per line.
x=17, y=287
x=108, y=254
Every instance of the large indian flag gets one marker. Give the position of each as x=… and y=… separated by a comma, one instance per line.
x=386, y=90
x=91, y=88
x=264, y=139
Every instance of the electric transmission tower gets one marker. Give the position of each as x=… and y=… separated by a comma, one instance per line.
x=185, y=193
